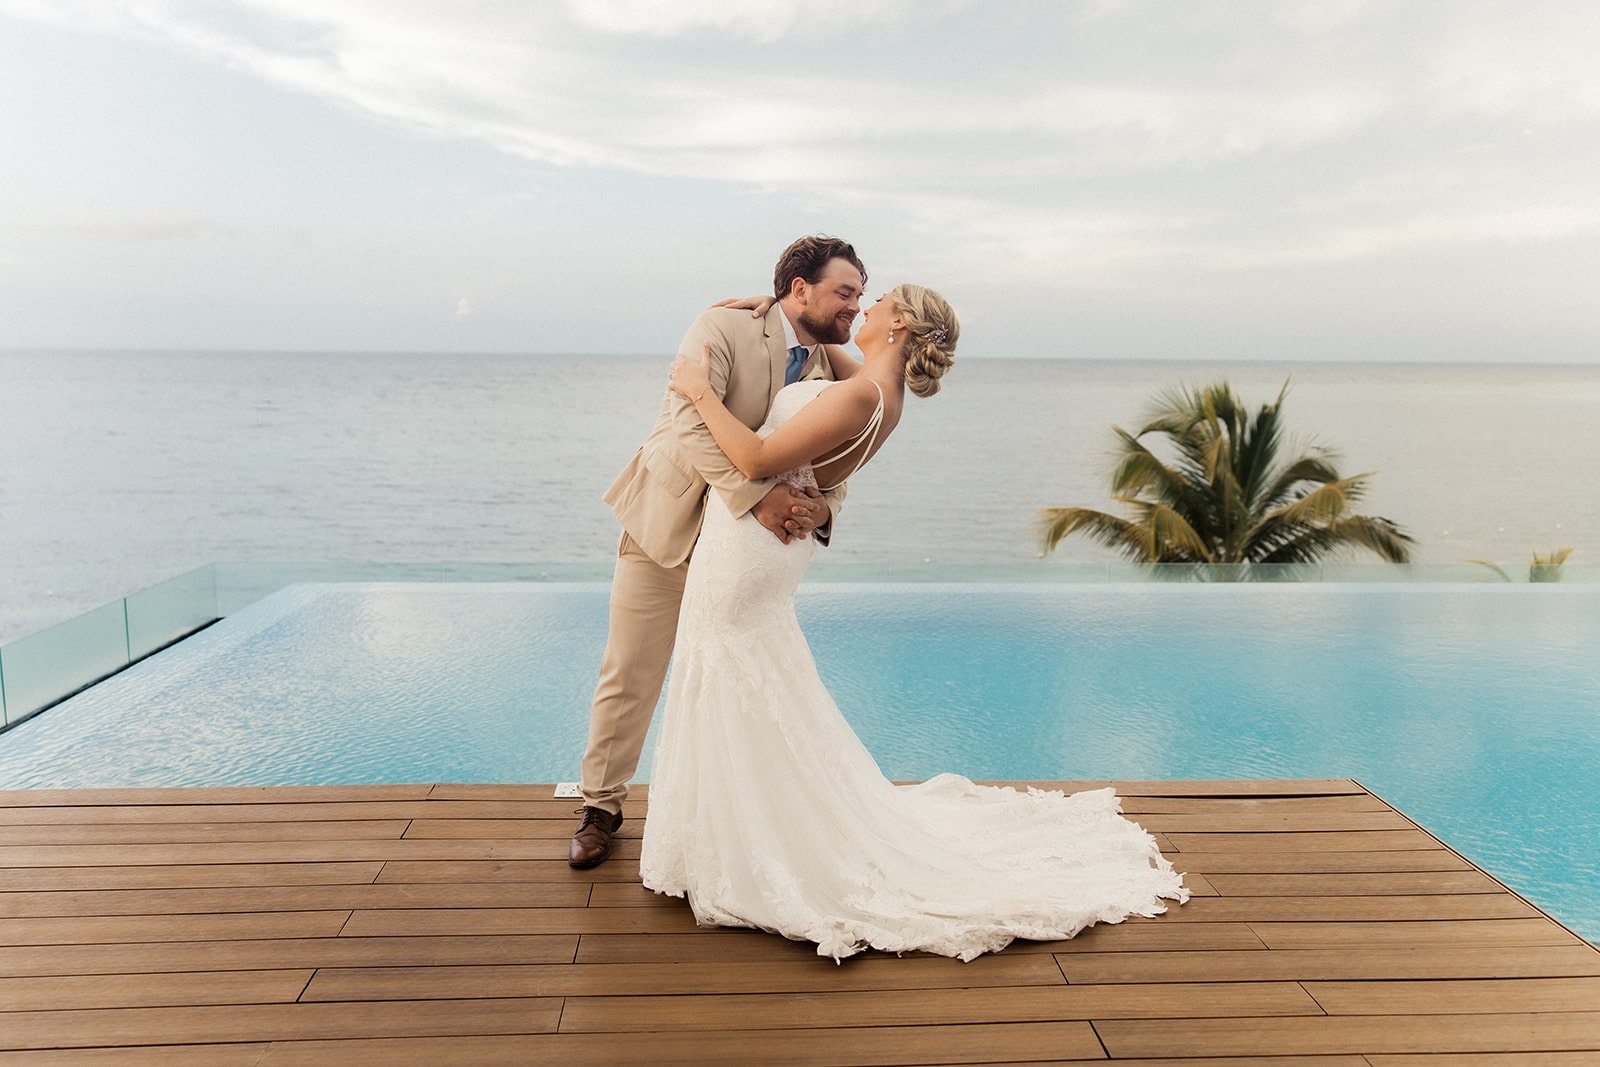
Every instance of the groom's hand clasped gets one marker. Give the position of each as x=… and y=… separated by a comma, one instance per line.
x=791, y=512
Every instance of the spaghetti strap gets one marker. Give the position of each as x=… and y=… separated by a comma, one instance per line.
x=869, y=434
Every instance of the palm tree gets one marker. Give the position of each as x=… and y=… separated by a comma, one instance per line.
x=1547, y=568
x=1227, y=496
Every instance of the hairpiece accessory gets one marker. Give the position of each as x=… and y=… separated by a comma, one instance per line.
x=937, y=334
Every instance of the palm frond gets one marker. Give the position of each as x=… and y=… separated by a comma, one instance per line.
x=1308, y=468
x=1258, y=451
x=1379, y=536
x=1167, y=536
x=1322, y=505
x=1100, y=527
x=1140, y=470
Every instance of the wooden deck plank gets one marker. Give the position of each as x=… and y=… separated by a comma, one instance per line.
x=1535, y=931
x=1255, y=822
x=1407, y=840
x=1304, y=965
x=151, y=990
x=536, y=829
x=431, y=922
x=100, y=930
x=187, y=832
x=388, y=895
x=638, y=795
x=546, y=870
x=398, y=848
x=1480, y=1059
x=795, y=975
x=1336, y=802
x=140, y=796
x=277, y=953
x=1428, y=859
x=629, y=895
x=257, y=1022
x=440, y=924
x=771, y=1011
x=1474, y=997
x=1349, y=908
x=700, y=947
x=176, y=876
x=145, y=1056
x=270, y=811
x=880, y=1046
x=1325, y=1035
x=1369, y=884
x=740, y=945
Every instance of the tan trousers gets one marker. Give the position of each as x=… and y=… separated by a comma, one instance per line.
x=644, y=624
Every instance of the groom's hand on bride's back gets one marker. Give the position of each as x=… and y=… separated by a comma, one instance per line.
x=790, y=513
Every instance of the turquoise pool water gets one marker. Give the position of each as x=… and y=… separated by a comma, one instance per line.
x=1473, y=708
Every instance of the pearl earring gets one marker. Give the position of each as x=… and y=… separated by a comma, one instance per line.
x=891, y=335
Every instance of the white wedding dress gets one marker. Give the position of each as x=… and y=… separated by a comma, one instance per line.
x=766, y=811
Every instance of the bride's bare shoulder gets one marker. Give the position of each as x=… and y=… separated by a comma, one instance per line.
x=853, y=394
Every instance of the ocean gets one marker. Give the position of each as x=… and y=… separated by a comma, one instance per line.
x=121, y=469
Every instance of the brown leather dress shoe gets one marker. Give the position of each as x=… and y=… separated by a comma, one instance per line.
x=591, y=843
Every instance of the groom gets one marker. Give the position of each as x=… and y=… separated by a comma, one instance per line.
x=660, y=499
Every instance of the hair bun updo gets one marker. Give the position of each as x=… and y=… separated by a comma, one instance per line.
x=932, y=330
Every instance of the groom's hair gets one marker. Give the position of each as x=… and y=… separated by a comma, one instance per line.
x=807, y=258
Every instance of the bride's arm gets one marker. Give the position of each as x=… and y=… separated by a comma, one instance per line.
x=827, y=422
x=756, y=305
x=843, y=363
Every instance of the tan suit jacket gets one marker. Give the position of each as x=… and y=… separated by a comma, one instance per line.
x=660, y=495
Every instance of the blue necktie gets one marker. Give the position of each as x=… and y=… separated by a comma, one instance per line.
x=797, y=359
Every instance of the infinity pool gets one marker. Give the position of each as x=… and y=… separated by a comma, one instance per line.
x=1473, y=708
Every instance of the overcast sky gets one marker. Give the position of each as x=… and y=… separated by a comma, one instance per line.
x=1262, y=179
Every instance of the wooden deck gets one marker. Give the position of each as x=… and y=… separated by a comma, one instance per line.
x=440, y=924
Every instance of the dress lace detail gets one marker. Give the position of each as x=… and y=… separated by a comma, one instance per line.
x=767, y=811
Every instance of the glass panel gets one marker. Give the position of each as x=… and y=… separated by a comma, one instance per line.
x=1563, y=572
x=1286, y=572
x=50, y=664
x=163, y=613
x=40, y=669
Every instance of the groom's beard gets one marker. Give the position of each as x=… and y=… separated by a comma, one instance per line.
x=835, y=331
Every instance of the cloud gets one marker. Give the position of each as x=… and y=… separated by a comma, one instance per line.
x=563, y=90
x=1095, y=133
x=464, y=308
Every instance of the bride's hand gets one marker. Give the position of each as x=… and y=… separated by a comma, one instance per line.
x=758, y=305
x=688, y=377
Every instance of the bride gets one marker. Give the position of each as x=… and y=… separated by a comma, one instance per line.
x=765, y=809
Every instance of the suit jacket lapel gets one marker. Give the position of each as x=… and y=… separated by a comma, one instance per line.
x=777, y=354
x=816, y=365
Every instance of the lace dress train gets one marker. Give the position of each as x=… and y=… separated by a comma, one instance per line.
x=767, y=811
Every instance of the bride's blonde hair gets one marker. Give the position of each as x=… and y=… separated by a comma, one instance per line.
x=933, y=329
